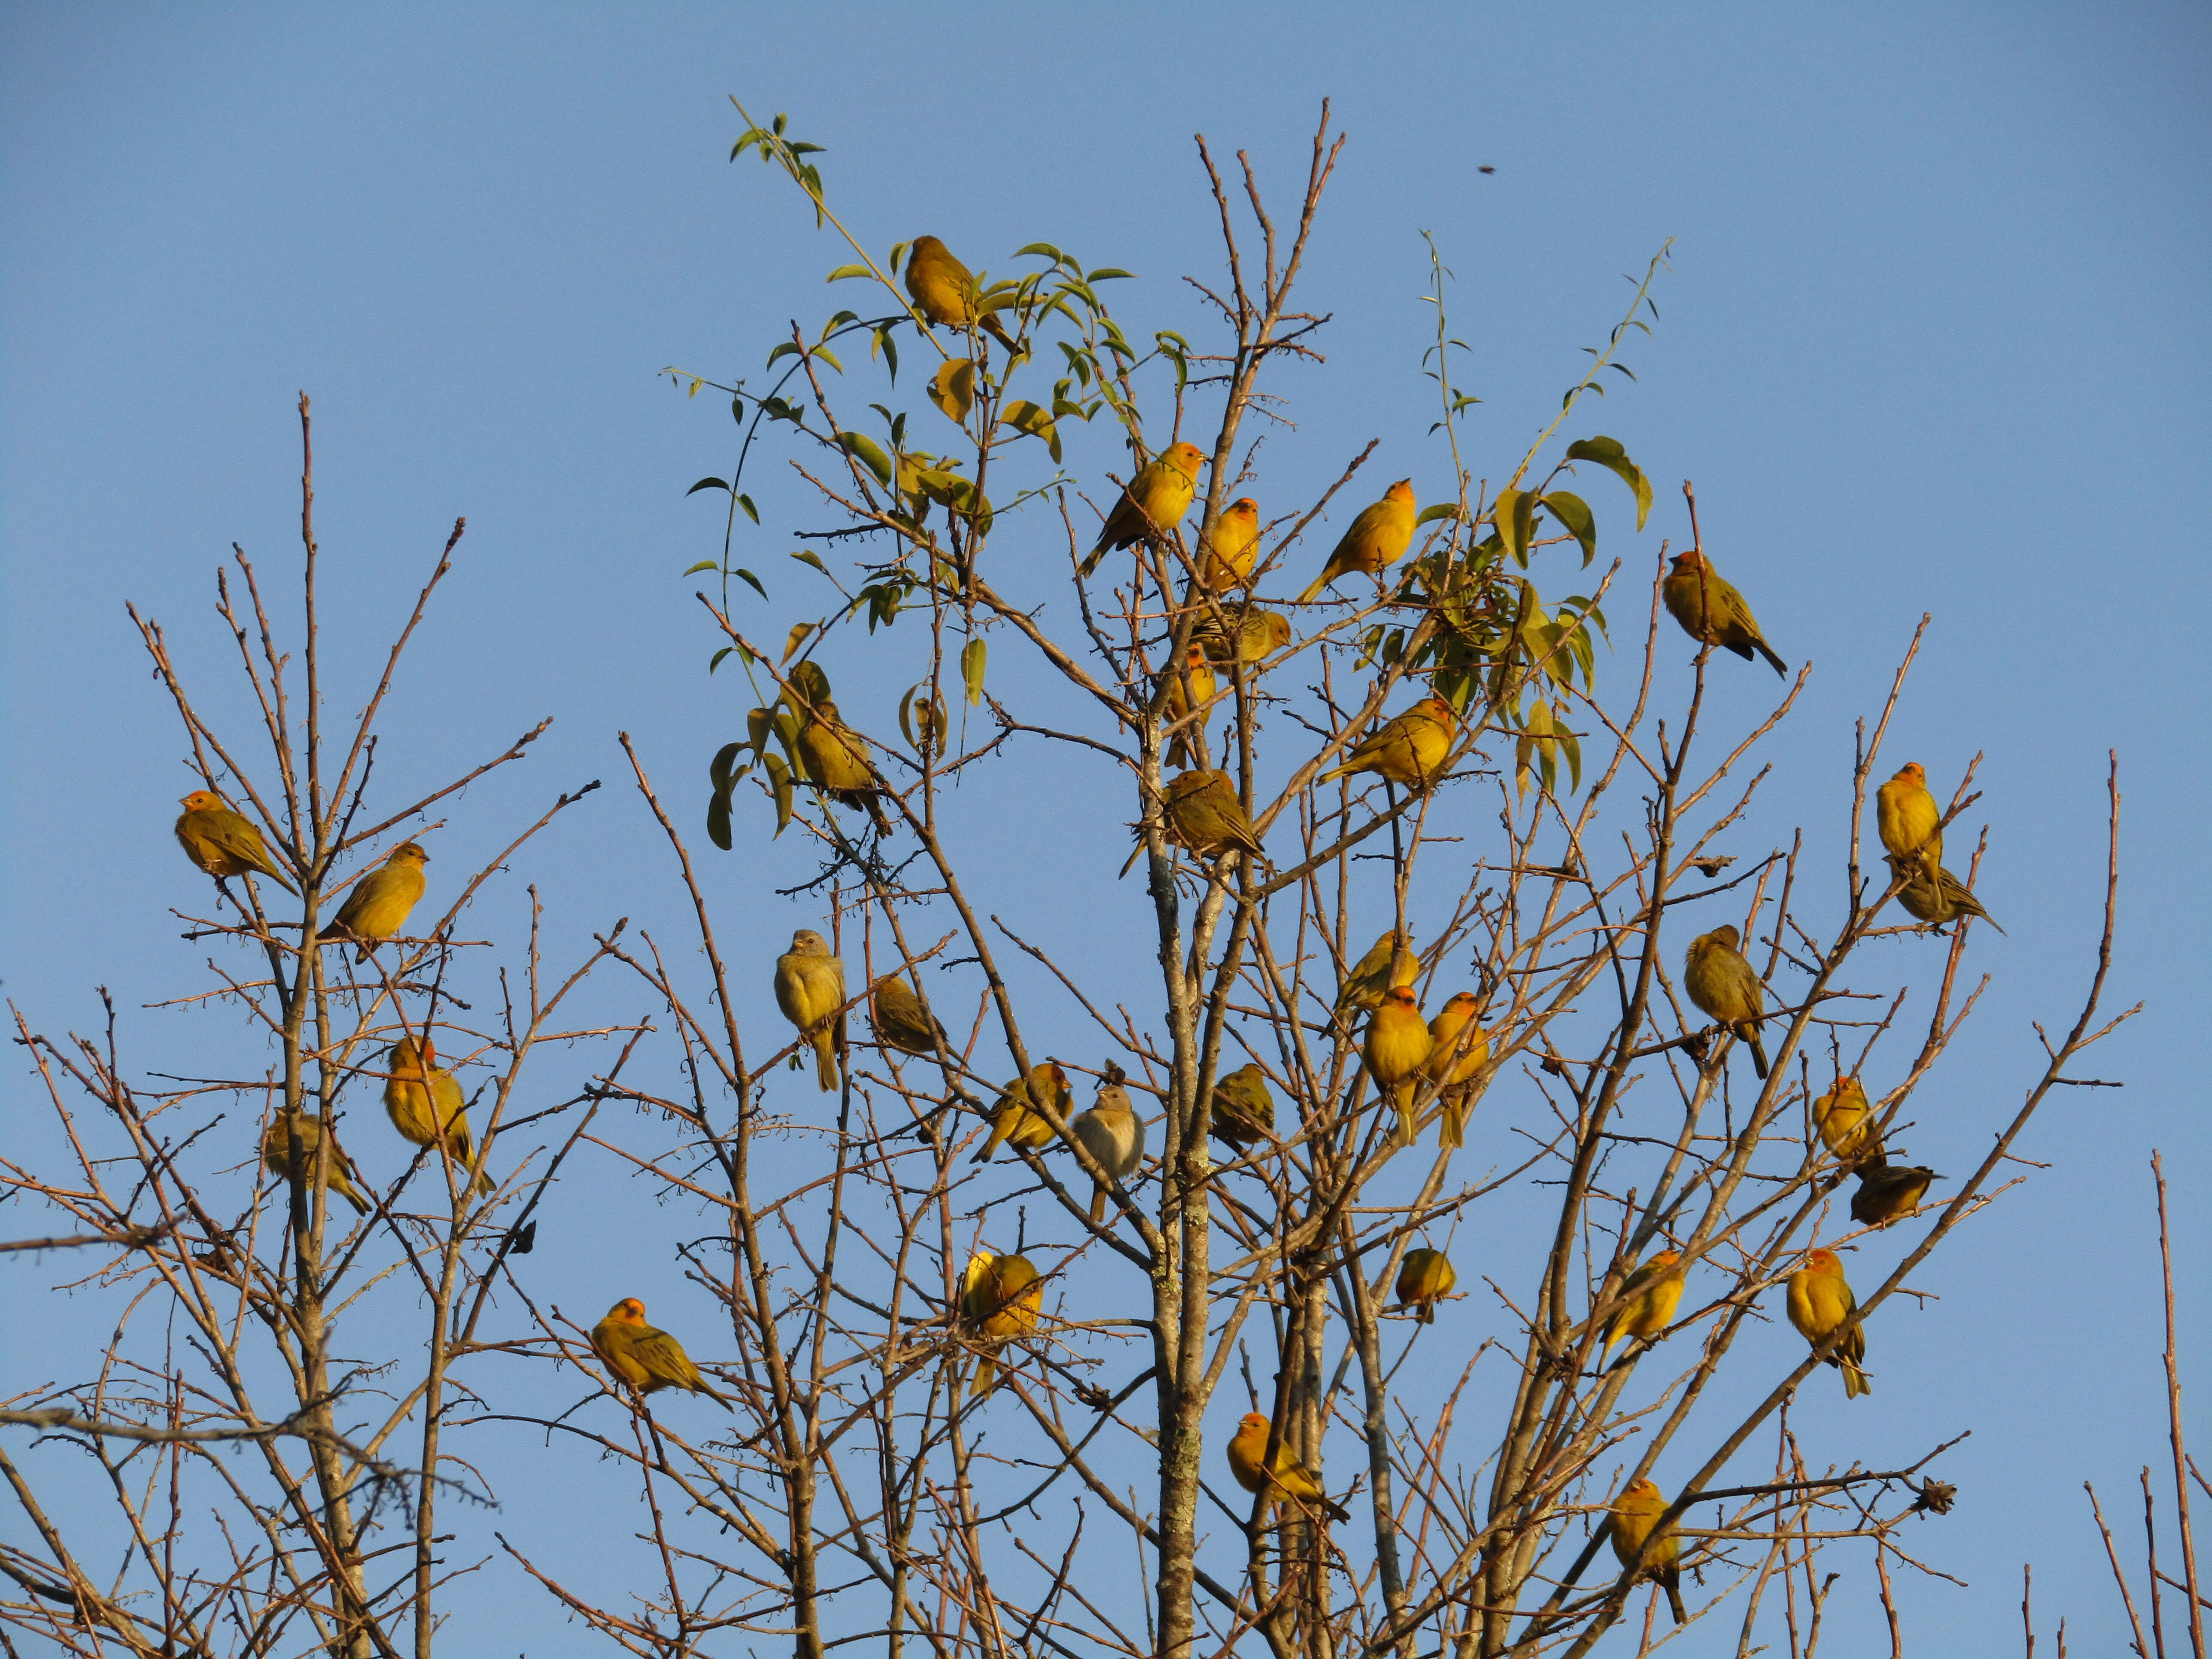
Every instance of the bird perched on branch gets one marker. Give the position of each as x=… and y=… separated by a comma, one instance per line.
x=1456, y=1055
x=1906, y=815
x=1635, y=1512
x=1846, y=1123
x=277, y=1155
x=1410, y=750
x=1711, y=611
x=810, y=989
x=1012, y=1120
x=223, y=843
x=1112, y=1133
x=945, y=291
x=1821, y=1300
x=1651, y=1294
x=1389, y=961
x=1887, y=1191
x=1243, y=1110
x=1376, y=539
x=900, y=1020
x=1195, y=687
x=1425, y=1277
x=423, y=1102
x=1723, y=985
x=1937, y=896
x=1256, y=635
x=1001, y=1297
x=1291, y=1479
x=836, y=759
x=378, y=907
x=643, y=1359
x=1152, y=503
x=1227, y=557
x=1397, y=1048
x=1201, y=813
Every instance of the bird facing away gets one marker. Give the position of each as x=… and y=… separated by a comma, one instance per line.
x=1410, y=750
x=1195, y=687
x=1711, y=611
x=902, y=1022
x=1012, y=1120
x=1111, y=1131
x=1227, y=557
x=1291, y=1479
x=414, y=1086
x=1906, y=815
x=1001, y=1297
x=277, y=1155
x=1243, y=1110
x=1846, y=1123
x=1376, y=539
x=1935, y=897
x=1201, y=813
x=1456, y=1055
x=223, y=843
x=835, y=759
x=1397, y=1048
x=1723, y=985
x=1152, y=503
x=945, y=292
x=1653, y=1292
x=1424, y=1278
x=1635, y=1512
x=643, y=1359
x=1888, y=1192
x=377, y=908
x=1821, y=1300
x=810, y=989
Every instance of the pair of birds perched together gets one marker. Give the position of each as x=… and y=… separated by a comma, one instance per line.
x=426, y=1105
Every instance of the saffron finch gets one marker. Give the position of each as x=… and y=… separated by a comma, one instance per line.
x=277, y=1155
x=1424, y=1278
x=1291, y=1479
x=377, y=908
x=643, y=1359
x=836, y=760
x=1111, y=1131
x=1397, y=1048
x=1651, y=1294
x=1243, y=1110
x=1257, y=636
x=1227, y=557
x=945, y=292
x=1202, y=814
x=1846, y=1123
x=1723, y=985
x=1906, y=815
x=1389, y=961
x=223, y=843
x=1012, y=1120
x=423, y=1102
x=810, y=989
x=1821, y=1300
x=1636, y=1510
x=1887, y=1191
x=1937, y=896
x=1457, y=1052
x=1195, y=688
x=1410, y=750
x=1001, y=1297
x=1711, y=611
x=1152, y=503
x=1378, y=539
x=900, y=1020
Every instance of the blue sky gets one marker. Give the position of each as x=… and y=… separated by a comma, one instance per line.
x=1934, y=338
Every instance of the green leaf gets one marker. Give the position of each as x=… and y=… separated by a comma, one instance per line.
x=1107, y=275
x=723, y=772
x=779, y=777
x=1026, y=417
x=1514, y=513
x=952, y=388
x=1571, y=510
x=798, y=632
x=737, y=410
x=789, y=348
x=1045, y=248
x=706, y=484
x=715, y=661
x=971, y=670
x=899, y=252
x=759, y=722
x=869, y=454
x=704, y=564
x=805, y=557
x=752, y=512
x=755, y=581
x=1608, y=454
x=843, y=271
x=1441, y=510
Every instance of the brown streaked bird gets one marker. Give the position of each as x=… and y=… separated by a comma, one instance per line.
x=223, y=843
x=1725, y=986
x=643, y=1359
x=1201, y=813
x=277, y=1155
x=1712, y=612
x=1935, y=898
x=901, y=1021
x=1244, y=1110
x=378, y=907
x=1889, y=1191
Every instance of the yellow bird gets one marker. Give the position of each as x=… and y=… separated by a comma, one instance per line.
x=1291, y=1479
x=1846, y=1122
x=902, y=1022
x=1888, y=1191
x=1636, y=1510
x=1001, y=1297
x=1821, y=1300
x=1389, y=961
x=1906, y=815
x=1937, y=898
x=1398, y=1046
x=1257, y=636
x=377, y=908
x=1378, y=539
x=836, y=759
x=1453, y=1061
x=1111, y=1131
x=1012, y=1120
x=1200, y=812
x=810, y=989
x=413, y=1086
x=1225, y=557
x=643, y=1359
x=1653, y=1292
x=1711, y=611
x=1195, y=688
x=944, y=291
x=1152, y=503
x=1725, y=986
x=277, y=1155
x=1425, y=1278
x=1410, y=750
x=223, y=843
x=1243, y=1110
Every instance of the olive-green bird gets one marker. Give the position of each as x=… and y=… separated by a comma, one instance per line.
x=1653, y=1292
x=1425, y=1278
x=901, y=1021
x=1389, y=961
x=1712, y=612
x=277, y=1155
x=1378, y=539
x=810, y=989
x=1243, y=1110
x=421, y=1100
x=1201, y=814
x=378, y=907
x=223, y=843
x=1936, y=898
x=1152, y=503
x=1888, y=1191
x=945, y=291
x=836, y=759
x=1725, y=986
x=1251, y=638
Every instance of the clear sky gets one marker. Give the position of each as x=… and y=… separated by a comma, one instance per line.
x=1934, y=338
